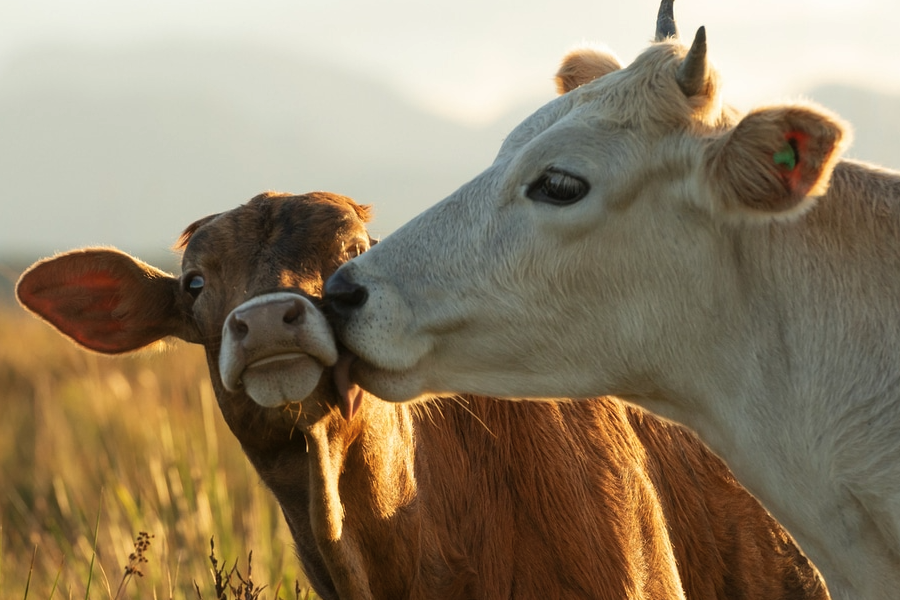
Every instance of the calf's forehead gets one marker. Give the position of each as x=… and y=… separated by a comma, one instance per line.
x=273, y=233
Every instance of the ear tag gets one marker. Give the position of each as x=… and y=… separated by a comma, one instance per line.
x=786, y=157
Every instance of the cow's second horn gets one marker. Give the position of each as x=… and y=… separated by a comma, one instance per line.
x=692, y=72
x=665, y=21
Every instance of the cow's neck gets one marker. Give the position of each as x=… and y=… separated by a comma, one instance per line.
x=340, y=485
x=809, y=333
x=838, y=275
x=825, y=309
x=373, y=529
x=362, y=487
x=813, y=375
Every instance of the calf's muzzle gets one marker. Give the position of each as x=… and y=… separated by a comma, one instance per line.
x=275, y=346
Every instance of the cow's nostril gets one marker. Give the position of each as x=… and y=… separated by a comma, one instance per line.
x=344, y=295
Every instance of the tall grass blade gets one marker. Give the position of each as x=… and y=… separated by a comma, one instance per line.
x=30, y=571
x=56, y=581
x=87, y=591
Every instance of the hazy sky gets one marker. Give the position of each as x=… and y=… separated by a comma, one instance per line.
x=471, y=58
x=99, y=177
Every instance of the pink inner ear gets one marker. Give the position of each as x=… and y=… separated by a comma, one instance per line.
x=86, y=311
x=101, y=291
x=793, y=177
x=99, y=284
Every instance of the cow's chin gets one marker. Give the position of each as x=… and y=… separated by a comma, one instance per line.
x=291, y=378
x=393, y=386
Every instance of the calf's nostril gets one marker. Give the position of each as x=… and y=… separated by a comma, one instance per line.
x=238, y=327
x=294, y=313
x=344, y=295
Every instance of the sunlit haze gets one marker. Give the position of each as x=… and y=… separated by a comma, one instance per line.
x=473, y=67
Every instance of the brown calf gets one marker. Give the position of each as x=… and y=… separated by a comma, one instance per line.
x=457, y=498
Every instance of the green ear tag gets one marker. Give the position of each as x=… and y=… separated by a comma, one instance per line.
x=787, y=156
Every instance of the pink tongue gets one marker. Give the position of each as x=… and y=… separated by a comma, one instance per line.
x=351, y=394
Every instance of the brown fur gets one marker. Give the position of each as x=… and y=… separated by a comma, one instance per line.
x=458, y=498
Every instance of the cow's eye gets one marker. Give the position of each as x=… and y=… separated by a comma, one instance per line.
x=558, y=187
x=193, y=284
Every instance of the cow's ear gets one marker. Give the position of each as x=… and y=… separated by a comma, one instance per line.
x=584, y=65
x=777, y=160
x=104, y=299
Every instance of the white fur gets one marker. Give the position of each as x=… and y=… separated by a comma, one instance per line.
x=776, y=339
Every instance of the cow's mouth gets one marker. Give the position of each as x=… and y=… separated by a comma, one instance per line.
x=353, y=372
x=276, y=358
x=281, y=378
x=351, y=394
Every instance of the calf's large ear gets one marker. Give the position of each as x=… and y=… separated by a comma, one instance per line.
x=777, y=160
x=104, y=299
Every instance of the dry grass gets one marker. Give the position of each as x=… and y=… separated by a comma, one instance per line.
x=95, y=450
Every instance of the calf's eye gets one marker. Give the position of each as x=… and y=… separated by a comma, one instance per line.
x=557, y=187
x=194, y=285
x=353, y=248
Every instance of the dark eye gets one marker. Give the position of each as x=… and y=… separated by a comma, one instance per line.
x=356, y=247
x=193, y=285
x=558, y=187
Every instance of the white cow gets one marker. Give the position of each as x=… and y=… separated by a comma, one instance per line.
x=637, y=237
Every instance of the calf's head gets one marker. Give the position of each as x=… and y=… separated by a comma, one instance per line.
x=250, y=291
x=593, y=238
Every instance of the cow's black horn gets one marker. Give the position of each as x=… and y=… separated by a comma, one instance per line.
x=692, y=72
x=665, y=21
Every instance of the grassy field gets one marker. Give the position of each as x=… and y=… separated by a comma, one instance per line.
x=95, y=450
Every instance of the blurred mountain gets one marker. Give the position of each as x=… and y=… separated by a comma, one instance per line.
x=126, y=147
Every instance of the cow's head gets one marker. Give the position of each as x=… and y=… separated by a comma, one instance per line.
x=250, y=293
x=568, y=265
